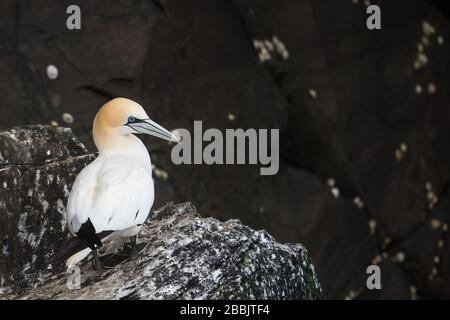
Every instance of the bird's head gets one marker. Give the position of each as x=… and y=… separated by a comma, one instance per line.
x=120, y=118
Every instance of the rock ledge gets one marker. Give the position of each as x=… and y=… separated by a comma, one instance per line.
x=189, y=257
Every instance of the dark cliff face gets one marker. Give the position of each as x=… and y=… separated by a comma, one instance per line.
x=184, y=256
x=350, y=103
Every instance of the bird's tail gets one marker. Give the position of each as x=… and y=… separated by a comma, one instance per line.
x=69, y=248
x=75, y=249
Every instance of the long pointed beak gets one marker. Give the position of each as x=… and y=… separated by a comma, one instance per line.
x=150, y=127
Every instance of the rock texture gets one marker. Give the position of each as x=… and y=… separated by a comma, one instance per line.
x=189, y=257
x=38, y=165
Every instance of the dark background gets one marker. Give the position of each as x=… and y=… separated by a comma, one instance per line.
x=195, y=60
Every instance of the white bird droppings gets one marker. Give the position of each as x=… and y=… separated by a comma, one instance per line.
x=435, y=224
x=428, y=29
x=161, y=174
x=377, y=259
x=313, y=93
x=358, y=202
x=403, y=147
x=335, y=192
x=52, y=72
x=67, y=118
x=400, y=256
x=431, y=88
x=269, y=49
x=419, y=89
x=401, y=151
x=372, y=226
x=331, y=182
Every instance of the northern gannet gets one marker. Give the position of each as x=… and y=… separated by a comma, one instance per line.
x=112, y=196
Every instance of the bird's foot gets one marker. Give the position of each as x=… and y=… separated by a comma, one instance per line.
x=134, y=255
x=96, y=263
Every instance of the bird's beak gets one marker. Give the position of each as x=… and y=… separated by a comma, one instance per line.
x=150, y=127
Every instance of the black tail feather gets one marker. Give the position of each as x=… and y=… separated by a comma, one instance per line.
x=67, y=249
x=72, y=246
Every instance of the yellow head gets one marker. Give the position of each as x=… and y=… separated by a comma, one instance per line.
x=119, y=119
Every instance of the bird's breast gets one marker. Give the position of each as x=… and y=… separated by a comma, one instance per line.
x=115, y=193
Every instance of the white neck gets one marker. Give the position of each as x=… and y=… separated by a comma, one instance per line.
x=129, y=146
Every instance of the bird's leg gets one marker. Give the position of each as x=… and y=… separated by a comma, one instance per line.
x=134, y=253
x=96, y=263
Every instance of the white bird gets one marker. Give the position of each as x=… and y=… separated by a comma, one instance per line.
x=112, y=196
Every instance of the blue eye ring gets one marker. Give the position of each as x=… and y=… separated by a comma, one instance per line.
x=131, y=119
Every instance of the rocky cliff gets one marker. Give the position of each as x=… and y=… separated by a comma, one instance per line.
x=184, y=256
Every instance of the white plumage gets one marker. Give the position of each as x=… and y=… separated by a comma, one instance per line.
x=115, y=192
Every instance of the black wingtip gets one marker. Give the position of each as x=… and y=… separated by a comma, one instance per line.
x=87, y=233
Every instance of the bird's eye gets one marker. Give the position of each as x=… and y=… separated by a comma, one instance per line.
x=131, y=119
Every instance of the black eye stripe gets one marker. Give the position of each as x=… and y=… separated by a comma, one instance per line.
x=132, y=119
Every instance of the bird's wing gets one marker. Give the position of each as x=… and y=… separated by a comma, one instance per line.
x=81, y=196
x=115, y=194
